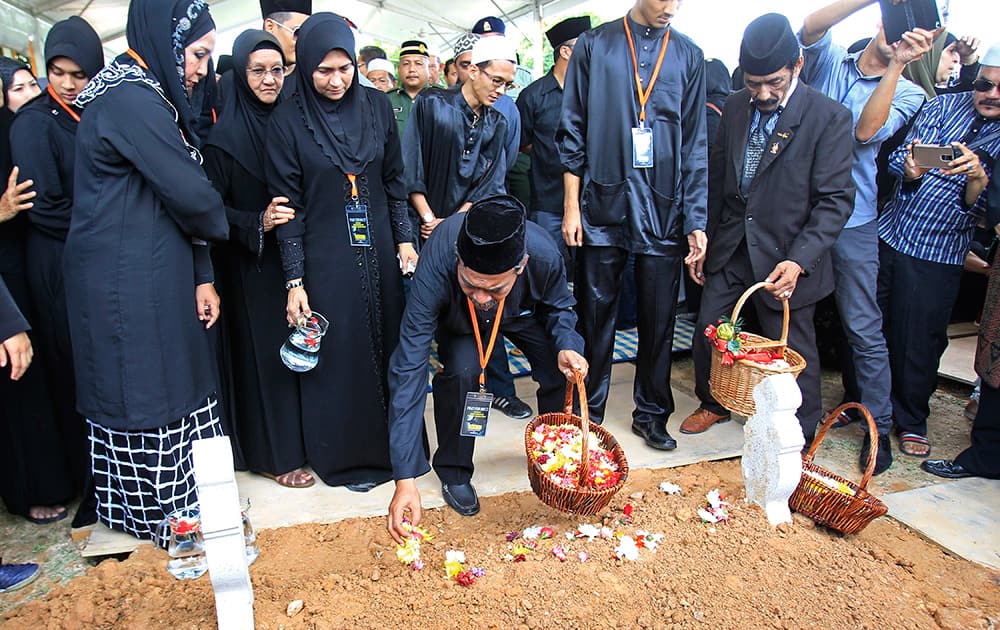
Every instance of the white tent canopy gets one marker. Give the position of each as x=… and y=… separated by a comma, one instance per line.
x=437, y=23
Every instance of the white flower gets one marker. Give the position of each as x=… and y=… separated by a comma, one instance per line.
x=454, y=555
x=530, y=533
x=590, y=532
x=626, y=549
x=670, y=488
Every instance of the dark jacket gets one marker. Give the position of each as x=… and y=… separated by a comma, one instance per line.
x=141, y=354
x=799, y=200
x=988, y=348
x=644, y=210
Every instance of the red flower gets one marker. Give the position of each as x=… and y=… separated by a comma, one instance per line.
x=710, y=331
x=465, y=578
x=628, y=510
x=727, y=359
x=520, y=558
x=546, y=533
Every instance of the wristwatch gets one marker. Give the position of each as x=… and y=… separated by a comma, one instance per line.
x=427, y=218
x=293, y=284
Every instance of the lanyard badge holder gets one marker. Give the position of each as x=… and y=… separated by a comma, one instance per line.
x=357, y=217
x=476, y=414
x=642, y=136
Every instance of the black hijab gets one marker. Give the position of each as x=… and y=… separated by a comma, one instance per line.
x=77, y=40
x=717, y=82
x=240, y=129
x=9, y=67
x=159, y=31
x=343, y=129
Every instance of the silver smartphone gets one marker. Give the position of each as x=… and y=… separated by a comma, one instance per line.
x=935, y=155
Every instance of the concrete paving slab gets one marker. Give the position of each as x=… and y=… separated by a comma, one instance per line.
x=961, y=516
x=958, y=360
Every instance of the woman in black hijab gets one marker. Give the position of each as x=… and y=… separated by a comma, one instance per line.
x=35, y=481
x=138, y=276
x=43, y=141
x=333, y=151
x=265, y=414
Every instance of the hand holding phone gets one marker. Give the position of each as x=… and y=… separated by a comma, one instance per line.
x=928, y=156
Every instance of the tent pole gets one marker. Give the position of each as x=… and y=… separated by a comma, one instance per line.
x=537, y=44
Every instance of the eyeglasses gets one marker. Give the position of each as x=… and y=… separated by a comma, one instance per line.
x=258, y=73
x=983, y=85
x=293, y=31
x=498, y=82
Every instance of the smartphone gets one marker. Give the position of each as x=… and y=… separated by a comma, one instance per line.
x=908, y=15
x=934, y=155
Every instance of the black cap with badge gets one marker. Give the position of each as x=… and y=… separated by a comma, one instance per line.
x=489, y=26
x=769, y=44
x=492, y=238
x=413, y=47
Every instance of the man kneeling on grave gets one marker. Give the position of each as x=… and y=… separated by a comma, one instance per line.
x=482, y=271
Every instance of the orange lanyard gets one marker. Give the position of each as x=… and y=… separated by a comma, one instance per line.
x=68, y=109
x=643, y=97
x=351, y=177
x=484, y=358
x=131, y=53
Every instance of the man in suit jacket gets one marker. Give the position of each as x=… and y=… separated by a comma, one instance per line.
x=780, y=191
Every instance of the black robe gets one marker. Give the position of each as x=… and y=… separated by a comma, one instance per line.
x=358, y=289
x=42, y=141
x=452, y=155
x=141, y=354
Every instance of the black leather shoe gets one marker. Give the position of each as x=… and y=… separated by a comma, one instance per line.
x=461, y=497
x=512, y=406
x=946, y=468
x=883, y=460
x=655, y=436
x=361, y=486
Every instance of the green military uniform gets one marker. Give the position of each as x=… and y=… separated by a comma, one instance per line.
x=402, y=104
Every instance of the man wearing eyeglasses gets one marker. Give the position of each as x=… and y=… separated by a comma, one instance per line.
x=925, y=231
x=282, y=18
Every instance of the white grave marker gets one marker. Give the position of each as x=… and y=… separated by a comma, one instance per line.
x=222, y=527
x=772, y=447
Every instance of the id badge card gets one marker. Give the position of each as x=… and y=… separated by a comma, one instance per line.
x=642, y=147
x=476, y=414
x=357, y=225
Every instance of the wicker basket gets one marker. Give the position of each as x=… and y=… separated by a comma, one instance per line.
x=584, y=501
x=827, y=506
x=732, y=385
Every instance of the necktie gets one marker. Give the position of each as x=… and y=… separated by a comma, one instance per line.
x=755, y=149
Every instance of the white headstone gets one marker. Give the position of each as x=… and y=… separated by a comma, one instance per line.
x=222, y=527
x=772, y=447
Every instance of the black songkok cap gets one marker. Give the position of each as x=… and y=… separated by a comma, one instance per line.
x=489, y=25
x=270, y=7
x=768, y=45
x=492, y=237
x=413, y=47
x=567, y=29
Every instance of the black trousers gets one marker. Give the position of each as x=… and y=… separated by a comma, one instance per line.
x=722, y=291
x=916, y=297
x=460, y=356
x=982, y=458
x=598, y=289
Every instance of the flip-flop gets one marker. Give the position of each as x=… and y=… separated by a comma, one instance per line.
x=914, y=438
x=45, y=520
x=843, y=419
x=309, y=484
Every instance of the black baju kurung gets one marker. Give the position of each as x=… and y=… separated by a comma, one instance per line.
x=134, y=255
x=267, y=418
x=313, y=144
x=33, y=467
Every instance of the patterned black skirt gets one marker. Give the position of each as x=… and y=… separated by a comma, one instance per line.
x=141, y=476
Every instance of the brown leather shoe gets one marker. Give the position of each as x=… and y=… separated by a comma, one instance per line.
x=701, y=420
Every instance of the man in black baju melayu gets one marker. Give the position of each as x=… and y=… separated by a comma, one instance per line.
x=633, y=148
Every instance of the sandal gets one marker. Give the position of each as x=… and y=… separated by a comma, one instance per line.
x=297, y=478
x=44, y=520
x=843, y=419
x=908, y=439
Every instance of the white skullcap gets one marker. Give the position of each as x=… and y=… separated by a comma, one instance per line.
x=382, y=64
x=992, y=56
x=494, y=48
